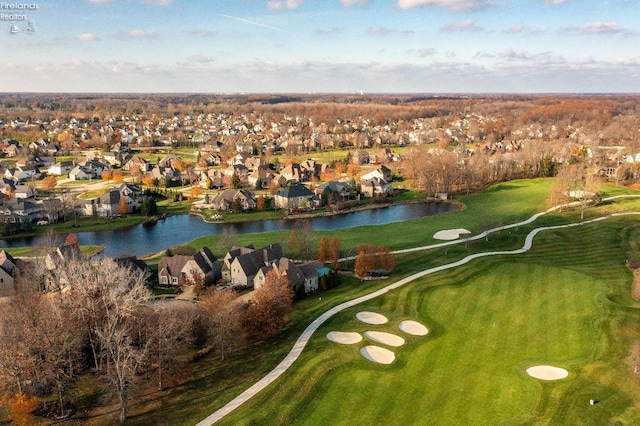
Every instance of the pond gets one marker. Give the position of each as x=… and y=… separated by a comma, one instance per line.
x=141, y=240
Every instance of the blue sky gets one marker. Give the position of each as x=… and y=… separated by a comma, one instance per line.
x=309, y=46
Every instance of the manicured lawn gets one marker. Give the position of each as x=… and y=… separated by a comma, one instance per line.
x=489, y=321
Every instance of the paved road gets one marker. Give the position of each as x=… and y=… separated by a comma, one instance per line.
x=302, y=341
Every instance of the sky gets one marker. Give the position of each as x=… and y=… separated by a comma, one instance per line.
x=320, y=46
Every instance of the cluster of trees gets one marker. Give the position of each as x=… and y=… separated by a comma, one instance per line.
x=372, y=259
x=101, y=319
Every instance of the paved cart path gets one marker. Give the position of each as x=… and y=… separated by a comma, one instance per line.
x=302, y=341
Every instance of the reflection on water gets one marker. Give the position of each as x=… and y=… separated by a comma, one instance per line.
x=144, y=239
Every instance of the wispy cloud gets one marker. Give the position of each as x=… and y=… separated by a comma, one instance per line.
x=516, y=29
x=159, y=2
x=429, y=51
x=381, y=30
x=100, y=1
x=553, y=2
x=134, y=34
x=328, y=31
x=201, y=59
x=455, y=5
x=246, y=21
x=87, y=37
x=201, y=33
x=284, y=4
x=464, y=25
x=355, y=3
x=597, y=28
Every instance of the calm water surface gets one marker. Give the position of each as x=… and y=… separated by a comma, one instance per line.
x=141, y=240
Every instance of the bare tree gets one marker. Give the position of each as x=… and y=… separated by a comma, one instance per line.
x=222, y=313
x=169, y=327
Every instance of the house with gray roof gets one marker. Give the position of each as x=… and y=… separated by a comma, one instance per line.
x=182, y=270
x=293, y=197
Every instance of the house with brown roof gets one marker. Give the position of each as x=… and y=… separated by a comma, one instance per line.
x=7, y=271
x=244, y=268
x=180, y=270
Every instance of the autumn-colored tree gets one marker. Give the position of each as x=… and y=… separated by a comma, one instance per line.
x=49, y=183
x=147, y=180
x=71, y=239
x=260, y=204
x=107, y=175
x=20, y=407
x=117, y=176
x=323, y=250
x=292, y=243
x=195, y=192
x=123, y=206
x=334, y=256
x=353, y=169
x=361, y=268
x=270, y=306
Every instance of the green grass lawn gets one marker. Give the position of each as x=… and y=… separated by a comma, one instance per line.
x=489, y=320
x=566, y=303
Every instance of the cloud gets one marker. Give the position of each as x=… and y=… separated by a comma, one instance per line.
x=553, y=2
x=100, y=1
x=597, y=28
x=454, y=5
x=328, y=32
x=464, y=25
x=201, y=59
x=382, y=31
x=201, y=33
x=87, y=37
x=377, y=29
x=426, y=52
x=159, y=2
x=516, y=29
x=355, y=3
x=134, y=34
x=284, y=4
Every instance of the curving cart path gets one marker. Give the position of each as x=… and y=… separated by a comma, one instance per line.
x=302, y=341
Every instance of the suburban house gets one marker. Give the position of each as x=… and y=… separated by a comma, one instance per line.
x=211, y=159
x=300, y=276
x=110, y=204
x=387, y=155
x=333, y=191
x=360, y=157
x=212, y=178
x=22, y=211
x=294, y=172
x=243, y=268
x=166, y=174
x=80, y=173
x=22, y=173
x=293, y=197
x=63, y=254
x=184, y=270
x=264, y=178
x=375, y=187
x=61, y=168
x=224, y=201
x=137, y=163
x=380, y=172
x=7, y=273
x=134, y=264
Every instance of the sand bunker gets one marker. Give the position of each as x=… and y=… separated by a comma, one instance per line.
x=378, y=354
x=384, y=338
x=344, y=337
x=547, y=372
x=413, y=327
x=371, y=318
x=450, y=234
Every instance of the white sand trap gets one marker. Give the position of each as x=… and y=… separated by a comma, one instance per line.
x=378, y=354
x=413, y=327
x=344, y=337
x=450, y=234
x=547, y=372
x=371, y=318
x=384, y=338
